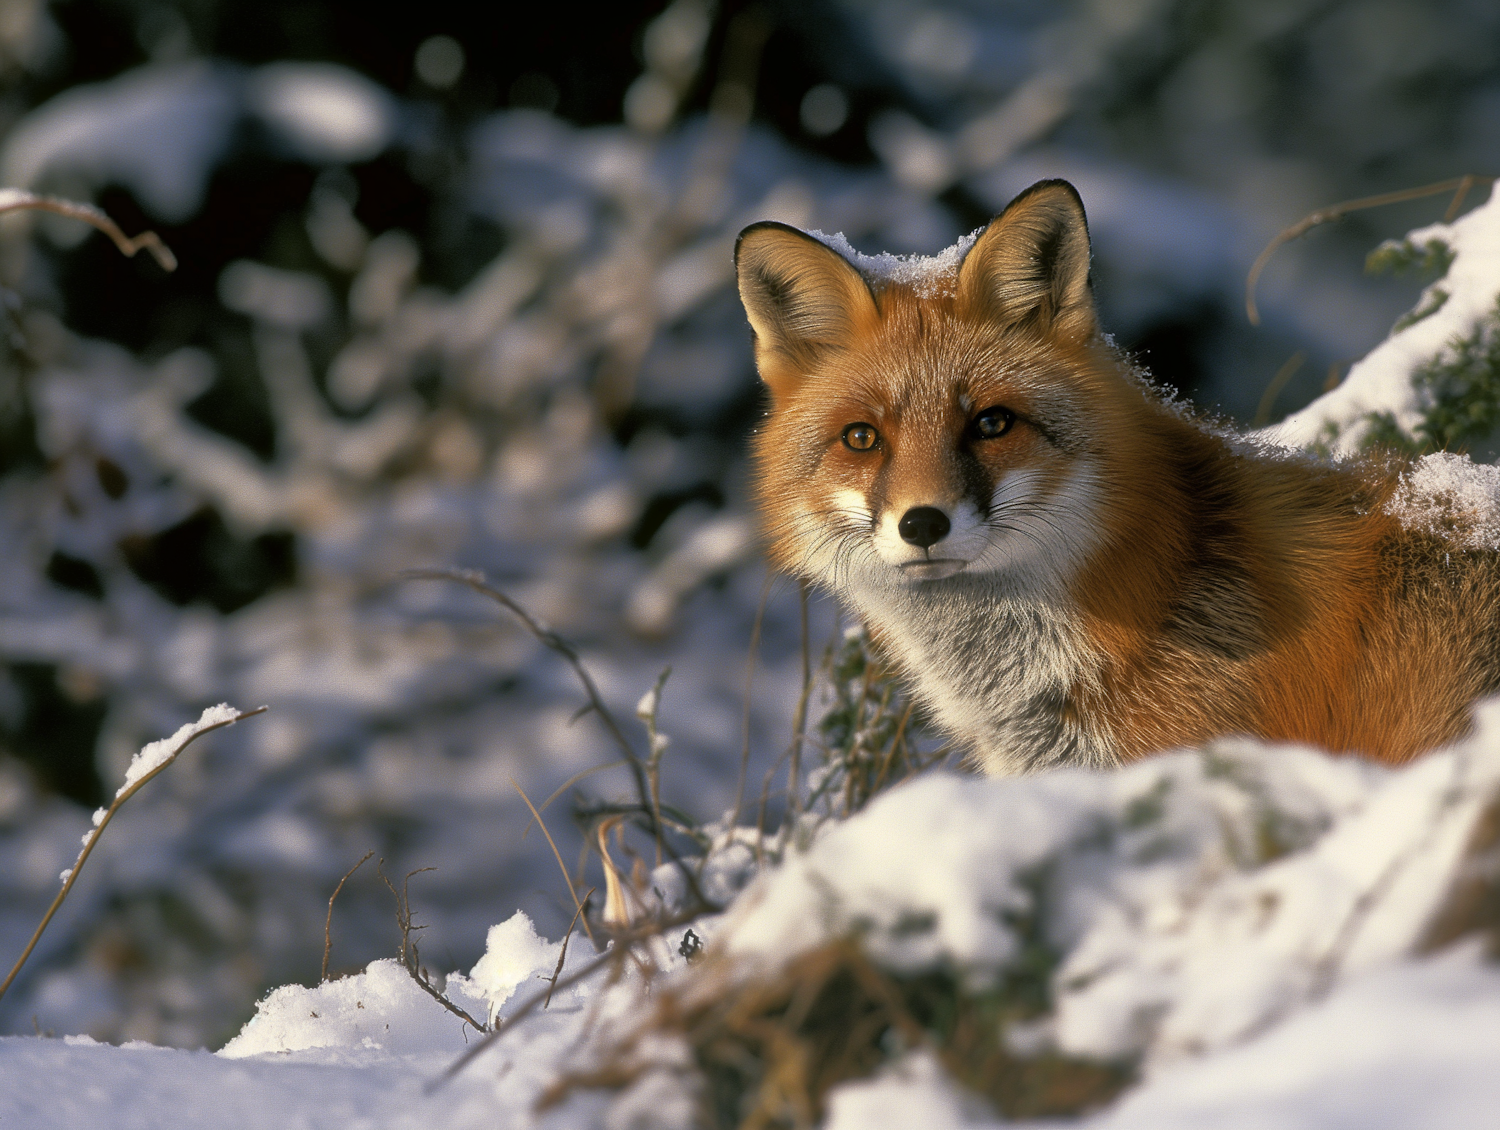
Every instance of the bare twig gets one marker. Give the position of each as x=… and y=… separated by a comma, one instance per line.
x=15, y=200
x=760, y=616
x=624, y=942
x=411, y=959
x=1459, y=186
x=563, y=867
x=1283, y=375
x=328, y=924
x=562, y=954
x=109, y=814
x=554, y=642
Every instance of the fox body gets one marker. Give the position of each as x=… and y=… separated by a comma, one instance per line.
x=1069, y=568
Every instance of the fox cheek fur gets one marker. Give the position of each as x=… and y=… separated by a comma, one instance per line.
x=1068, y=569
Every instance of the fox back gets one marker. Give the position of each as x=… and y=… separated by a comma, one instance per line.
x=1069, y=568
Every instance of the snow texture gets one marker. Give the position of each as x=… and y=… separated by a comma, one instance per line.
x=1448, y=495
x=1240, y=920
x=159, y=752
x=926, y=274
x=1382, y=381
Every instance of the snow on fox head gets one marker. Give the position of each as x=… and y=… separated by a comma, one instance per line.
x=935, y=418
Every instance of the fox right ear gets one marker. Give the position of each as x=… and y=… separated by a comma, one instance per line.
x=1032, y=263
x=802, y=299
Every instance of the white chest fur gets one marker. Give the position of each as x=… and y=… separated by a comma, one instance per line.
x=996, y=669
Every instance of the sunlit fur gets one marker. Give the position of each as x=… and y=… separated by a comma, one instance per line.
x=1119, y=578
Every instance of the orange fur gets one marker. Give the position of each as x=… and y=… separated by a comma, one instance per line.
x=1114, y=577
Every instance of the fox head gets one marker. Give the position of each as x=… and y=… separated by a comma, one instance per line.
x=967, y=422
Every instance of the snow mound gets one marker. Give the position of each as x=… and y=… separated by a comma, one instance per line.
x=1249, y=924
x=1449, y=495
x=1448, y=312
x=371, y=1016
x=928, y=275
x=513, y=954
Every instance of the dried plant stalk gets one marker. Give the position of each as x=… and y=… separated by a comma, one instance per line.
x=17, y=200
x=109, y=814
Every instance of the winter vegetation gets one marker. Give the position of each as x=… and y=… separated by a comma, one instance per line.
x=463, y=300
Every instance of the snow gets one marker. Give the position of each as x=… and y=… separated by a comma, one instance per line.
x=158, y=131
x=1447, y=494
x=1244, y=921
x=926, y=274
x=513, y=953
x=1382, y=380
x=159, y=752
x=325, y=112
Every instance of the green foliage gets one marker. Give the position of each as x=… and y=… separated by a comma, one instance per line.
x=1461, y=387
x=1432, y=301
x=1402, y=256
x=870, y=734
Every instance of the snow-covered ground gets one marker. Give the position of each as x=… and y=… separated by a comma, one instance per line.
x=1274, y=938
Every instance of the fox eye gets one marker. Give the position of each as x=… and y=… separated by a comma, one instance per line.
x=860, y=437
x=993, y=422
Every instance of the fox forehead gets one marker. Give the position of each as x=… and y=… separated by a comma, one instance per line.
x=929, y=367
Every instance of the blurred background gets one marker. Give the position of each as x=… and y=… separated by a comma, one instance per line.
x=456, y=289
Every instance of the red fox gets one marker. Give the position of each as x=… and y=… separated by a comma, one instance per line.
x=1070, y=568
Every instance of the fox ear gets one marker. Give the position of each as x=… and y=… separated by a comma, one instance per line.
x=1032, y=263
x=802, y=299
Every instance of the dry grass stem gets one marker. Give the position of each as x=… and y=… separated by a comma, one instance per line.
x=563, y=867
x=562, y=954
x=568, y=784
x=1459, y=186
x=16, y=200
x=328, y=923
x=109, y=814
x=799, y=721
x=1278, y=382
x=554, y=642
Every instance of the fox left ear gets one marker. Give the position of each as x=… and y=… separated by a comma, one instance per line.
x=1032, y=263
x=803, y=300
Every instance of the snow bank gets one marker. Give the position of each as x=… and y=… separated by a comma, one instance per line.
x=1244, y=922
x=1448, y=311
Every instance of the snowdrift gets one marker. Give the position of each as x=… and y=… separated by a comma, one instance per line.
x=1249, y=935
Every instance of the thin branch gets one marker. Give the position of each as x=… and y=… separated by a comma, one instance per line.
x=15, y=200
x=551, y=640
x=760, y=616
x=328, y=924
x=411, y=959
x=568, y=784
x=109, y=814
x=562, y=954
x=624, y=942
x=563, y=867
x=1459, y=186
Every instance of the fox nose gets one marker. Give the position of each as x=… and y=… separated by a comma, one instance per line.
x=924, y=526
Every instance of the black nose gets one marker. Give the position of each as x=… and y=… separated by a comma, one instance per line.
x=924, y=526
